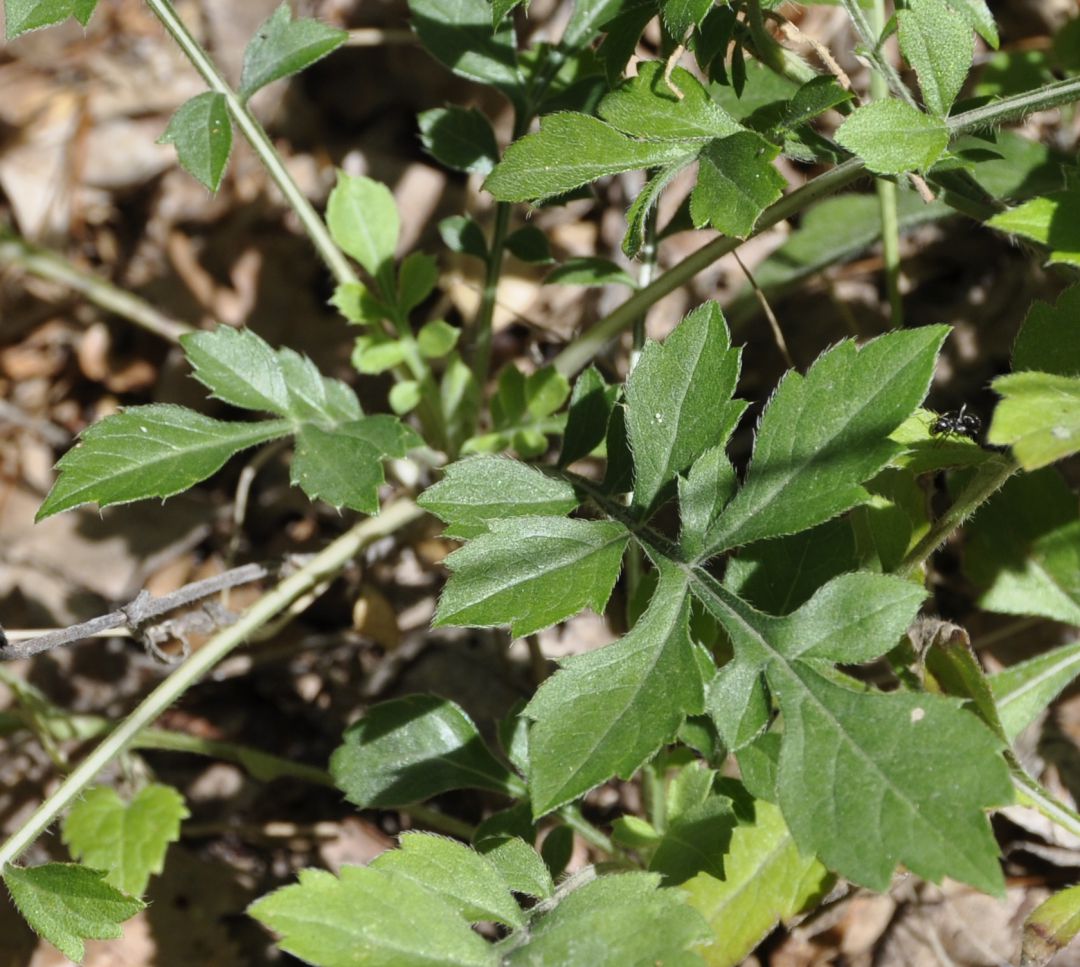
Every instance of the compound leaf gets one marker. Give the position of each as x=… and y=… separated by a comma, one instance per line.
x=149, y=451
x=606, y=712
x=410, y=749
x=126, y=840
x=66, y=904
x=530, y=572
x=824, y=434
x=283, y=46
x=366, y=916
x=892, y=137
x=313, y=396
x=202, y=132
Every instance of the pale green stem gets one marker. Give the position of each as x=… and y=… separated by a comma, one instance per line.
x=320, y=568
x=571, y=815
x=313, y=224
x=886, y=193
x=102, y=293
x=1033, y=794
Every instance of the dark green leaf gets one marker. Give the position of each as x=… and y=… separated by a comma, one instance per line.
x=587, y=419
x=1049, y=340
x=589, y=271
x=892, y=137
x=481, y=489
x=67, y=904
x=417, y=276
x=313, y=396
x=645, y=203
x=342, y=466
x=463, y=235
x=530, y=572
x=736, y=183
x=283, y=46
x=703, y=494
x=607, y=712
x=697, y=835
x=816, y=446
x=21, y=16
x=500, y=8
x=519, y=865
x=239, y=367
x=202, y=132
x=680, y=15
x=459, y=138
x=529, y=244
x=148, y=451
x=410, y=749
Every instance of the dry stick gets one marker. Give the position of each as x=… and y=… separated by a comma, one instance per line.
x=326, y=563
x=774, y=323
x=55, y=268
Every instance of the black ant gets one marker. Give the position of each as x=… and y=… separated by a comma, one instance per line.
x=958, y=423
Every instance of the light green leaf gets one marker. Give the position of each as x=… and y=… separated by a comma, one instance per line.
x=21, y=16
x=816, y=445
x=460, y=398
x=569, y=151
x=519, y=865
x=464, y=879
x=1022, y=550
x=530, y=572
x=623, y=919
x=545, y=392
x=586, y=270
x=736, y=183
x=865, y=781
x=202, y=132
x=367, y=917
x=405, y=396
x=1052, y=220
x=481, y=489
x=679, y=400
x=363, y=219
x=766, y=879
x=66, y=904
x=1049, y=340
x=357, y=303
x=148, y=451
x=126, y=840
x=892, y=137
x=1038, y=416
x=436, y=339
x=409, y=749
x=1025, y=690
x=372, y=355
x=646, y=106
x=1050, y=927
x=937, y=42
x=238, y=367
x=459, y=138
x=283, y=46
x=606, y=712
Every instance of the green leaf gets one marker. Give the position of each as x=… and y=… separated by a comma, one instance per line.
x=460, y=398
x=530, y=572
x=978, y=14
x=67, y=904
x=363, y=219
x=1022, y=550
x=1025, y=690
x=586, y=270
x=545, y=392
x=478, y=490
x=500, y=8
x=409, y=749
x=569, y=151
x=680, y=15
x=529, y=244
x=865, y=780
x=623, y=919
x=459, y=138
x=405, y=396
x=436, y=339
x=459, y=34
x=202, y=132
x=892, y=137
x=126, y=840
x=467, y=881
x=646, y=106
x=343, y=466
x=1038, y=416
x=417, y=277
x=313, y=396
x=590, y=408
x=355, y=302
x=606, y=712
x=698, y=831
x=703, y=494
x=463, y=235
x=519, y=865
x=766, y=879
x=373, y=355
x=1049, y=339
x=238, y=367
x=637, y=214
x=815, y=446
x=22, y=16
x=366, y=916
x=937, y=42
x=736, y=183
x=1051, y=927
x=679, y=400
x=283, y=46
x=148, y=451
x=1052, y=220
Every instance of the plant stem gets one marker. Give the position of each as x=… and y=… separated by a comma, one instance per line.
x=49, y=265
x=477, y=347
x=257, y=137
x=322, y=566
x=571, y=815
x=988, y=479
x=886, y=193
x=1015, y=107
x=1035, y=795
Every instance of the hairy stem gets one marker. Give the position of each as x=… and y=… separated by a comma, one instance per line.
x=313, y=224
x=322, y=566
